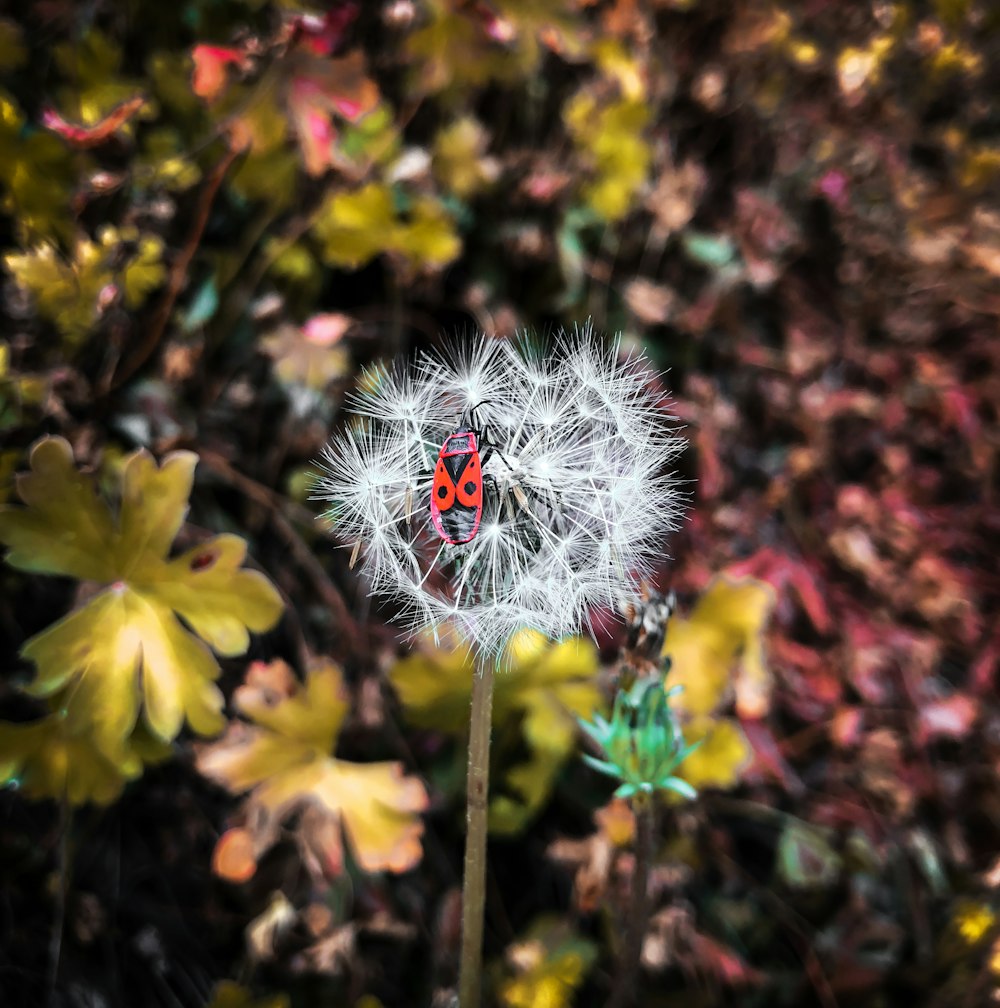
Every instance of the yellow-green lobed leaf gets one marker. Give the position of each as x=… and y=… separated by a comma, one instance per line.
x=126, y=649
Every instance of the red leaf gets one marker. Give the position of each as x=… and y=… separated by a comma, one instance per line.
x=780, y=571
x=91, y=136
x=323, y=35
x=728, y=967
x=984, y=669
x=210, y=64
x=768, y=758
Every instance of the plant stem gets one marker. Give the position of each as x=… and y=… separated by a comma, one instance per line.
x=59, y=918
x=624, y=992
x=474, y=882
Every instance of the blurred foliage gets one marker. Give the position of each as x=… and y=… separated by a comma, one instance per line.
x=540, y=691
x=718, y=645
x=72, y=295
x=214, y=216
x=285, y=760
x=548, y=964
x=126, y=649
x=228, y=994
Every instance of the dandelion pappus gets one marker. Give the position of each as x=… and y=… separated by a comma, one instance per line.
x=580, y=500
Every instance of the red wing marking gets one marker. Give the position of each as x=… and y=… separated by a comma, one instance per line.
x=443, y=490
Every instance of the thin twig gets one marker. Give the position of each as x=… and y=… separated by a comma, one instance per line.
x=178, y=275
x=474, y=881
x=59, y=916
x=351, y=636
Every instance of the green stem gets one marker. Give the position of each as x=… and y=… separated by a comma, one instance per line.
x=624, y=992
x=474, y=882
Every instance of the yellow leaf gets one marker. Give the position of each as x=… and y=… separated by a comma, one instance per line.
x=541, y=689
x=73, y=293
x=724, y=628
x=271, y=176
x=459, y=162
x=449, y=50
x=45, y=760
x=293, y=263
x=717, y=762
x=428, y=238
x=549, y=964
x=457, y=45
x=127, y=648
x=617, y=62
x=972, y=920
x=229, y=994
x=62, y=531
x=145, y=272
x=356, y=226
x=164, y=162
x=37, y=175
x=719, y=644
x=612, y=140
x=262, y=127
x=285, y=757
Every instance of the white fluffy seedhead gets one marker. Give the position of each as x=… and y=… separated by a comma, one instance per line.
x=579, y=505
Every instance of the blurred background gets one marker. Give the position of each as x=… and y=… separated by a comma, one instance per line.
x=215, y=213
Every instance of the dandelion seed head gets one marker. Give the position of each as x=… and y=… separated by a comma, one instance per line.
x=579, y=497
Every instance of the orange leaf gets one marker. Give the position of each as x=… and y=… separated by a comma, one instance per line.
x=210, y=64
x=284, y=757
x=233, y=858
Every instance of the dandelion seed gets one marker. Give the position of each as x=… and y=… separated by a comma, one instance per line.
x=578, y=498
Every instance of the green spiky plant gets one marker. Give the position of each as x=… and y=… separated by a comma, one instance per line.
x=642, y=745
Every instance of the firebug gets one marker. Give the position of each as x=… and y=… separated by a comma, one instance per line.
x=457, y=490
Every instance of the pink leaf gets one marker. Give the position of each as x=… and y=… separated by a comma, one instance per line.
x=327, y=329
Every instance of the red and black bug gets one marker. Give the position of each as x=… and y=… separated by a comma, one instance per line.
x=457, y=490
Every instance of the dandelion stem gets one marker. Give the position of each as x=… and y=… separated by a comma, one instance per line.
x=625, y=991
x=474, y=882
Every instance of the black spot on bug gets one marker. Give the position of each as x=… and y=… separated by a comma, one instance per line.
x=442, y=492
x=470, y=487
